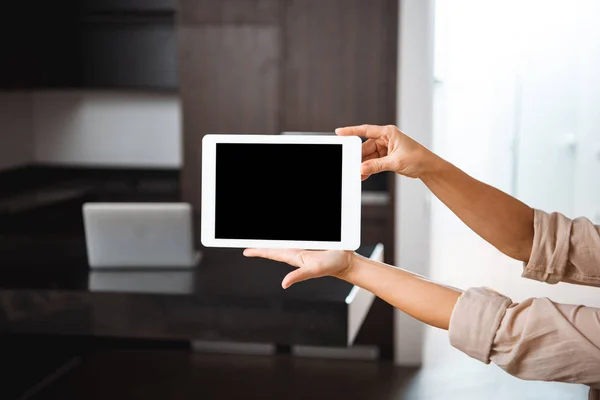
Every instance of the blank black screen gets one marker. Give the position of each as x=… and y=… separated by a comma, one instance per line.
x=278, y=191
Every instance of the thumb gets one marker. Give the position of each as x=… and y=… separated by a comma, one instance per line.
x=377, y=165
x=295, y=276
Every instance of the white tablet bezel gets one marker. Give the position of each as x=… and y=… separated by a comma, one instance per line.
x=351, y=192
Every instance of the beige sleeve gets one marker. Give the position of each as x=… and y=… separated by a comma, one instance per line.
x=564, y=250
x=534, y=340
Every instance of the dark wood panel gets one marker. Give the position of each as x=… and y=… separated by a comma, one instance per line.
x=229, y=84
x=132, y=6
x=123, y=374
x=39, y=46
x=29, y=361
x=377, y=226
x=129, y=53
x=340, y=63
x=89, y=44
x=179, y=375
x=230, y=11
x=374, y=230
x=378, y=329
x=18, y=43
x=390, y=254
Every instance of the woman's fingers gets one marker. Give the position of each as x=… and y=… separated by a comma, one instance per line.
x=370, y=157
x=370, y=151
x=369, y=147
x=297, y=275
x=377, y=165
x=368, y=131
x=289, y=256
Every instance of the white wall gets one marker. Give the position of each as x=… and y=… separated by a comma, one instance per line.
x=414, y=115
x=16, y=129
x=518, y=84
x=559, y=149
x=107, y=129
x=475, y=92
x=587, y=167
x=535, y=81
x=548, y=106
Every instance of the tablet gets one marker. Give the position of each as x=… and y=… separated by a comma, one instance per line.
x=275, y=191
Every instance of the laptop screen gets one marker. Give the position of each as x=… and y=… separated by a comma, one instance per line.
x=274, y=191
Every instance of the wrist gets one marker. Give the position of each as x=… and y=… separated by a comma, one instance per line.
x=431, y=166
x=346, y=273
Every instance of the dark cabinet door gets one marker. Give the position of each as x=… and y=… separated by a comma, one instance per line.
x=39, y=44
x=340, y=67
x=133, y=6
x=57, y=50
x=89, y=44
x=229, y=84
x=128, y=53
x=232, y=12
x=268, y=66
x=18, y=60
x=18, y=46
x=340, y=70
x=340, y=63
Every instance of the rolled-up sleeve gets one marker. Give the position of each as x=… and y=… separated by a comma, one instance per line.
x=534, y=340
x=564, y=250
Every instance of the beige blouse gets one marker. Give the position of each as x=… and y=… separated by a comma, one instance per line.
x=538, y=339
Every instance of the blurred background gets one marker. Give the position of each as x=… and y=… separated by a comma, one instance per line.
x=108, y=101
x=515, y=98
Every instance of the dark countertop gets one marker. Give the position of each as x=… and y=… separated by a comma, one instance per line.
x=47, y=287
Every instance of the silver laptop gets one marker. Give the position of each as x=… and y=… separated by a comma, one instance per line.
x=139, y=235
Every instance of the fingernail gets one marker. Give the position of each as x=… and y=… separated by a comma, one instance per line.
x=337, y=130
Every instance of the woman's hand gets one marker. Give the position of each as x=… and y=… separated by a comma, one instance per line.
x=413, y=294
x=388, y=149
x=310, y=264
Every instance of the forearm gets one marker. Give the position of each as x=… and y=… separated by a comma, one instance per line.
x=415, y=295
x=498, y=218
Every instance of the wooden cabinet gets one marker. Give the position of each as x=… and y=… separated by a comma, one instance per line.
x=377, y=225
x=230, y=61
x=340, y=65
x=132, y=6
x=93, y=44
x=231, y=12
x=57, y=46
x=17, y=44
x=136, y=52
x=269, y=66
x=230, y=83
x=272, y=66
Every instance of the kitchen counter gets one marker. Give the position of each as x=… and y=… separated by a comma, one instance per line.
x=46, y=287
